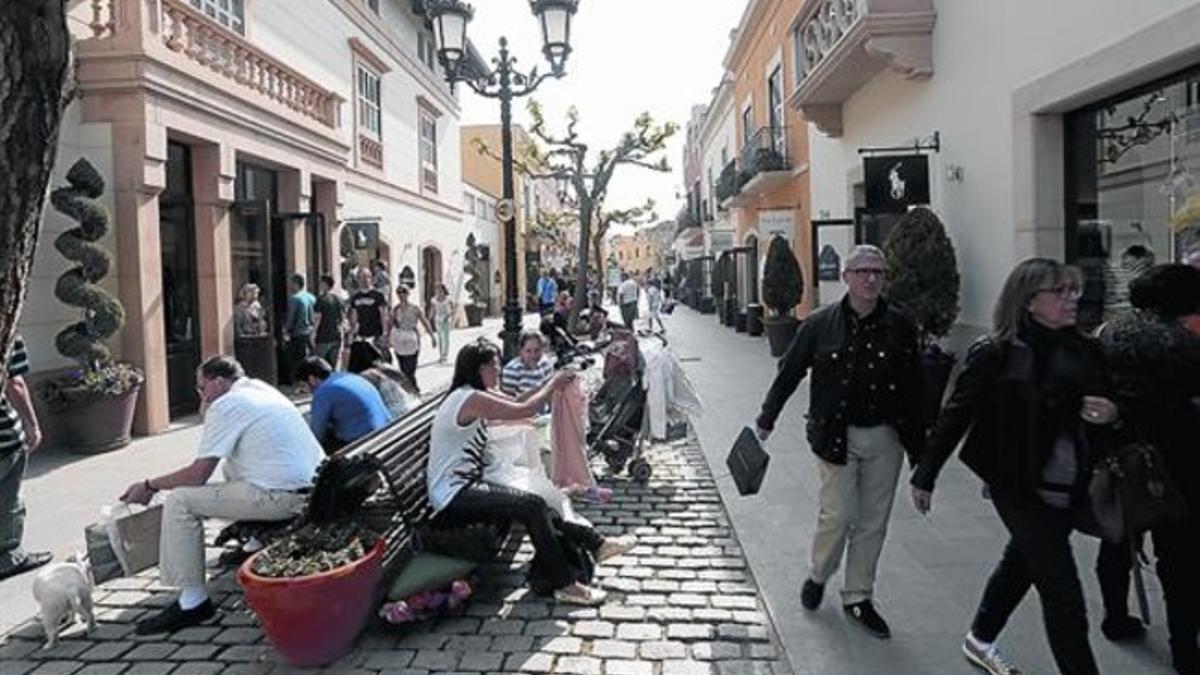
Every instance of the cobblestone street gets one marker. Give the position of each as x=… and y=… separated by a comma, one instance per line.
x=682, y=603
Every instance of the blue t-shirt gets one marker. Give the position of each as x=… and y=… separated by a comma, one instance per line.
x=349, y=406
x=547, y=290
x=302, y=313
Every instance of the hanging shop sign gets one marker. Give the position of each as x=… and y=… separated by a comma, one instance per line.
x=895, y=182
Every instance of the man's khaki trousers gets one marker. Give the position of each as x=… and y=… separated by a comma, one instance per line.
x=181, y=548
x=855, y=504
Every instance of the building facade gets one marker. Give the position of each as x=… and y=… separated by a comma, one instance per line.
x=479, y=215
x=1069, y=130
x=243, y=142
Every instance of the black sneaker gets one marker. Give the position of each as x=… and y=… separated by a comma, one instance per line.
x=1121, y=628
x=865, y=615
x=30, y=562
x=174, y=618
x=811, y=594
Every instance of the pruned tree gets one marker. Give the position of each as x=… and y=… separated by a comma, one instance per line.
x=554, y=228
x=35, y=87
x=566, y=156
x=632, y=217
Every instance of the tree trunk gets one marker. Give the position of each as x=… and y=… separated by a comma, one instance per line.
x=581, y=271
x=35, y=70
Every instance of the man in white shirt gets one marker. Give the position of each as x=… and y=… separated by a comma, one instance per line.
x=270, y=458
x=627, y=297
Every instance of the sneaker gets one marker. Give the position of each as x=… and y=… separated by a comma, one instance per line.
x=174, y=618
x=1121, y=628
x=30, y=562
x=865, y=615
x=582, y=595
x=811, y=593
x=615, y=546
x=989, y=660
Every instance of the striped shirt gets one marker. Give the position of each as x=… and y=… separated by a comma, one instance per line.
x=12, y=436
x=517, y=378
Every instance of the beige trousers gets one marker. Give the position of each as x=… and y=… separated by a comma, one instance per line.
x=855, y=504
x=181, y=548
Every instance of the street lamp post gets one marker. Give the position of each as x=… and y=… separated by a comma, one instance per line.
x=504, y=82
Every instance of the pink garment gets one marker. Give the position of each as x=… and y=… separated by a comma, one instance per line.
x=569, y=437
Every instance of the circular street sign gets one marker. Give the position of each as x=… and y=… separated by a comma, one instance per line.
x=505, y=210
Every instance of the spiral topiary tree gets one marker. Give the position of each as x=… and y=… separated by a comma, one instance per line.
x=103, y=314
x=783, y=282
x=923, y=279
x=474, y=273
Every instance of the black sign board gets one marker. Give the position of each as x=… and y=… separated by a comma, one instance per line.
x=895, y=182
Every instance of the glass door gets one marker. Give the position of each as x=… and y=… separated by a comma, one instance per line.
x=253, y=245
x=177, y=241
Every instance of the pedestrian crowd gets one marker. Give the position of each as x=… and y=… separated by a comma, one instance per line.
x=1045, y=410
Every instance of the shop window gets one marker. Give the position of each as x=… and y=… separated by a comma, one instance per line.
x=228, y=13
x=1132, y=184
x=427, y=128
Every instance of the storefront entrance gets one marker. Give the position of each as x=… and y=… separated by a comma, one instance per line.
x=431, y=273
x=177, y=235
x=258, y=256
x=1132, y=188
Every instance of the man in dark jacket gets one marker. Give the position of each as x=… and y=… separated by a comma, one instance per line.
x=864, y=414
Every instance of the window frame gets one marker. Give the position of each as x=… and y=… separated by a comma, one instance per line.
x=427, y=149
x=363, y=74
x=215, y=13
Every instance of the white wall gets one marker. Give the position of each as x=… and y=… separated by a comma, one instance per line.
x=982, y=51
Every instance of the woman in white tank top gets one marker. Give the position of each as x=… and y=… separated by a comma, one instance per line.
x=459, y=494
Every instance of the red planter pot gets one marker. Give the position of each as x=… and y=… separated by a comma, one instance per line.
x=314, y=620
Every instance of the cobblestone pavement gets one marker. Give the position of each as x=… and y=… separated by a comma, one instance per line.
x=682, y=603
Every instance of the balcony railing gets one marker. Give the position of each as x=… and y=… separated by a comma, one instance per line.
x=174, y=33
x=839, y=45
x=728, y=184
x=767, y=150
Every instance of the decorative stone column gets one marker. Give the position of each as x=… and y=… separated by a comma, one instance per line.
x=214, y=170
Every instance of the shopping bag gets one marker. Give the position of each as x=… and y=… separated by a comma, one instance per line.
x=134, y=535
x=101, y=555
x=747, y=462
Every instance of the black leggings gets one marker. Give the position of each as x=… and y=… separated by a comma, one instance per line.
x=408, y=366
x=487, y=502
x=1039, y=555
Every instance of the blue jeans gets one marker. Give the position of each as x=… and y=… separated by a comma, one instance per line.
x=12, y=509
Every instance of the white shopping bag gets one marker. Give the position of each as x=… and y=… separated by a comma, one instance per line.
x=514, y=460
x=133, y=534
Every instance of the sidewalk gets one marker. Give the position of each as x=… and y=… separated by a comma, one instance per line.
x=681, y=603
x=64, y=493
x=933, y=568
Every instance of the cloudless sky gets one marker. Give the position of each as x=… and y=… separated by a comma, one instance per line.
x=628, y=56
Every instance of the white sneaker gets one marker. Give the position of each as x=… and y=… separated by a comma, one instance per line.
x=989, y=660
x=615, y=546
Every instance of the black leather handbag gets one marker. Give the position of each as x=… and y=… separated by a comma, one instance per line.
x=1131, y=490
x=747, y=462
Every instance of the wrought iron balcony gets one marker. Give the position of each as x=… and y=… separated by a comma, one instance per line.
x=840, y=45
x=766, y=151
x=728, y=185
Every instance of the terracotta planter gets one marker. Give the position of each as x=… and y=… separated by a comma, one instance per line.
x=99, y=426
x=314, y=620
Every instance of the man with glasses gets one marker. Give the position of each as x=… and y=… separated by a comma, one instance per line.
x=270, y=458
x=865, y=413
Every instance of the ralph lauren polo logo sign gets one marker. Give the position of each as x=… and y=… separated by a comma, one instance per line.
x=895, y=182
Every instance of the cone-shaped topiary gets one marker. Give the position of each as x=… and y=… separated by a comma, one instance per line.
x=103, y=315
x=783, y=281
x=923, y=276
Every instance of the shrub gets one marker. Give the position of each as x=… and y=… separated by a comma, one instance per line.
x=783, y=281
x=474, y=271
x=923, y=278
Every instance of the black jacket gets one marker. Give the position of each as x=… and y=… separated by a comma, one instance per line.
x=819, y=344
x=1012, y=402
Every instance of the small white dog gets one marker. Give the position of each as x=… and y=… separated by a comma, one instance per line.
x=64, y=592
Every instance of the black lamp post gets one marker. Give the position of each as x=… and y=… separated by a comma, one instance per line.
x=504, y=82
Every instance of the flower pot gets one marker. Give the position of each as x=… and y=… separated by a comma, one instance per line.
x=780, y=330
x=100, y=425
x=314, y=620
x=754, y=319
x=474, y=315
x=936, y=366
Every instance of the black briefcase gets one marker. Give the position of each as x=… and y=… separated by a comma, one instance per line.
x=747, y=462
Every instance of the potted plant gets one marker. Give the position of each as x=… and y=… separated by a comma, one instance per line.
x=313, y=591
x=473, y=268
x=783, y=289
x=92, y=404
x=923, y=285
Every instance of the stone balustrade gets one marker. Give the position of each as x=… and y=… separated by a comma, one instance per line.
x=823, y=30
x=370, y=151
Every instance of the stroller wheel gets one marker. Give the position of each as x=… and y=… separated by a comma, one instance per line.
x=640, y=470
x=616, y=454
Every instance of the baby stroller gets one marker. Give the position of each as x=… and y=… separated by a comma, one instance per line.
x=617, y=410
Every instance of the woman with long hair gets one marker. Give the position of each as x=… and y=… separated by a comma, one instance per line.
x=460, y=494
x=441, y=313
x=1031, y=400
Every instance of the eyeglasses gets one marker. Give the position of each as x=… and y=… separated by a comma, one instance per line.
x=1063, y=291
x=863, y=272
